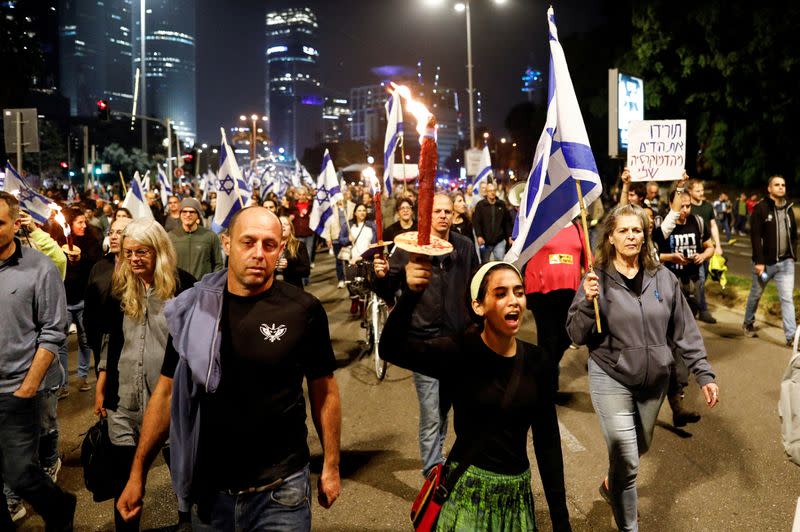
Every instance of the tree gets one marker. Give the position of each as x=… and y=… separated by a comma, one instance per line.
x=127, y=163
x=731, y=68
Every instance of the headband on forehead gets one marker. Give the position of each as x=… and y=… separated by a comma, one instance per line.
x=477, y=279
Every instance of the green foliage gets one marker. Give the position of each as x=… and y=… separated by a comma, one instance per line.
x=731, y=68
x=127, y=163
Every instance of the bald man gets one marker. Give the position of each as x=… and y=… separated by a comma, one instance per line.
x=242, y=342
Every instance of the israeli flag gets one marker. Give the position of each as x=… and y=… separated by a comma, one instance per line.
x=328, y=193
x=486, y=170
x=563, y=156
x=283, y=184
x=229, y=194
x=135, y=201
x=146, y=181
x=267, y=183
x=165, y=185
x=394, y=136
x=72, y=195
x=30, y=201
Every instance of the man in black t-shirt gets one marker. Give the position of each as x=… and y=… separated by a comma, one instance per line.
x=241, y=345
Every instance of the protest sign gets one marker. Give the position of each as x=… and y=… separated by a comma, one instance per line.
x=657, y=150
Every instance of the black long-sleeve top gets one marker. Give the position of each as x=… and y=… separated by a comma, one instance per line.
x=298, y=266
x=476, y=378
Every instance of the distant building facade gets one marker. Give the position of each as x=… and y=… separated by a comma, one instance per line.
x=95, y=54
x=170, y=64
x=336, y=118
x=294, y=102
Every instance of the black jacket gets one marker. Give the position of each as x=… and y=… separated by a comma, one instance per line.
x=297, y=267
x=96, y=310
x=443, y=309
x=492, y=221
x=764, y=232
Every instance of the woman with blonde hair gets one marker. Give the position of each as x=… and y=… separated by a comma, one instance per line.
x=134, y=346
x=293, y=263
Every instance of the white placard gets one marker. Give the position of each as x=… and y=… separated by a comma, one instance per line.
x=657, y=150
x=472, y=161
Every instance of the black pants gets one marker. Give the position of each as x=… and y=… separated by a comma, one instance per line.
x=550, y=312
x=123, y=460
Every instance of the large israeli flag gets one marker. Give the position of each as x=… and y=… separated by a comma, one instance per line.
x=394, y=135
x=486, y=170
x=229, y=194
x=563, y=156
x=165, y=186
x=30, y=201
x=328, y=193
x=135, y=200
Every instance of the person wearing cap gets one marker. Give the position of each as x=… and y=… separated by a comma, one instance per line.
x=500, y=387
x=198, y=248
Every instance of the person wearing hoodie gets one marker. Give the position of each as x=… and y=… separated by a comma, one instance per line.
x=198, y=248
x=629, y=364
x=230, y=396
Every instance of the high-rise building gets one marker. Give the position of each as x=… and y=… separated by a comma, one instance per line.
x=293, y=97
x=169, y=63
x=95, y=54
x=336, y=118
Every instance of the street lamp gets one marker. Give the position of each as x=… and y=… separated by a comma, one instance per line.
x=463, y=7
x=256, y=134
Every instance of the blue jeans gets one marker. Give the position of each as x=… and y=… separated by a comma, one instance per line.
x=701, y=288
x=19, y=464
x=285, y=508
x=496, y=251
x=337, y=247
x=84, y=351
x=48, y=433
x=783, y=273
x=433, y=410
x=627, y=419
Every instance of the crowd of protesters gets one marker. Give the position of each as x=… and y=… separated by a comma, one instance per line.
x=168, y=317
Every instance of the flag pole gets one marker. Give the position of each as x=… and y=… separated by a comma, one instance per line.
x=122, y=180
x=589, y=257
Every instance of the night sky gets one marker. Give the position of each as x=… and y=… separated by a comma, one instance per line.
x=356, y=35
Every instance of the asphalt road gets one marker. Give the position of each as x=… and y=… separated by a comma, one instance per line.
x=726, y=473
x=740, y=259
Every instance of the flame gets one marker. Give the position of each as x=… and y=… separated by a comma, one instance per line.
x=416, y=108
x=372, y=178
x=59, y=218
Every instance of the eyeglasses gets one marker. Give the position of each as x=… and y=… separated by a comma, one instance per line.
x=189, y=211
x=138, y=253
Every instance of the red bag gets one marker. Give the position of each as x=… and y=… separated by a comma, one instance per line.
x=429, y=501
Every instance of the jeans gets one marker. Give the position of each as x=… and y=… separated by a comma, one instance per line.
x=84, y=351
x=310, y=246
x=19, y=464
x=337, y=247
x=496, y=251
x=627, y=419
x=701, y=288
x=433, y=410
x=783, y=273
x=285, y=508
x=48, y=434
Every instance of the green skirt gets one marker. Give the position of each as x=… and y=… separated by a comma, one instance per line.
x=486, y=501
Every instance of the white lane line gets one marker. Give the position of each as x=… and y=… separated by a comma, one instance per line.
x=570, y=440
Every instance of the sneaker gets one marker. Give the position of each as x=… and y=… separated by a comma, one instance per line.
x=749, y=330
x=85, y=386
x=706, y=317
x=604, y=493
x=17, y=511
x=340, y=285
x=313, y=265
x=53, y=470
x=73, y=329
x=63, y=393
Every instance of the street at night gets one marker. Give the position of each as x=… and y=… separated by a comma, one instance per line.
x=728, y=472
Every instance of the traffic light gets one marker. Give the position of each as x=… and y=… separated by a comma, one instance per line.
x=64, y=168
x=103, y=110
x=188, y=162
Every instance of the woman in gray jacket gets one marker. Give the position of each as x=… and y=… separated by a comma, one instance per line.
x=644, y=317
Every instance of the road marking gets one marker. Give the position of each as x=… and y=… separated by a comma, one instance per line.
x=570, y=440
